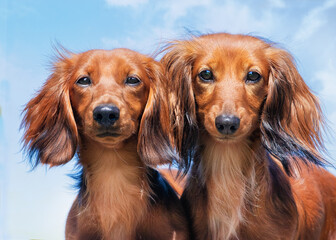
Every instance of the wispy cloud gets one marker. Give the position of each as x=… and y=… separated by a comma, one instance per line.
x=326, y=77
x=144, y=44
x=176, y=9
x=236, y=17
x=314, y=20
x=277, y=3
x=125, y=3
x=229, y=16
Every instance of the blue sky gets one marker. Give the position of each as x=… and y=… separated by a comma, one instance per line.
x=34, y=205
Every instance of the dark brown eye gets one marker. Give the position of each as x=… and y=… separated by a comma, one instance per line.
x=84, y=82
x=206, y=76
x=253, y=77
x=132, y=81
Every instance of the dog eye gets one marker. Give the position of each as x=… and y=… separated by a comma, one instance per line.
x=206, y=76
x=133, y=81
x=84, y=81
x=253, y=77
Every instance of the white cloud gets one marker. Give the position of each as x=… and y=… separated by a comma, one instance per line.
x=125, y=3
x=176, y=9
x=277, y=3
x=326, y=77
x=207, y=16
x=313, y=21
x=262, y=18
x=236, y=17
x=143, y=44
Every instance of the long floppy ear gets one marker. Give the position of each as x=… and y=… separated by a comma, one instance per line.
x=292, y=119
x=178, y=62
x=154, y=145
x=50, y=131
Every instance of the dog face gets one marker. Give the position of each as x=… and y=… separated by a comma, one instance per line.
x=229, y=81
x=108, y=94
x=104, y=96
x=236, y=88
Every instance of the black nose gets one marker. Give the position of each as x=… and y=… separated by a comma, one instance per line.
x=227, y=124
x=106, y=115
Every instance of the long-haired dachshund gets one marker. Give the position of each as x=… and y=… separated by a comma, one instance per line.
x=242, y=112
x=103, y=105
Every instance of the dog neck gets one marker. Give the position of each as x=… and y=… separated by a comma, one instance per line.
x=229, y=175
x=116, y=187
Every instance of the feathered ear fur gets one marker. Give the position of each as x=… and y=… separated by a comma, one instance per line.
x=154, y=145
x=178, y=62
x=50, y=135
x=292, y=117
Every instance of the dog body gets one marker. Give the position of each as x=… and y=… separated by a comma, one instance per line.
x=243, y=113
x=295, y=208
x=99, y=104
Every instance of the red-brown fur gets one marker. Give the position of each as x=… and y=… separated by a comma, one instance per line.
x=120, y=196
x=263, y=181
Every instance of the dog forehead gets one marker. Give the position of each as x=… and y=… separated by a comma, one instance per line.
x=228, y=53
x=232, y=43
x=107, y=62
x=111, y=57
x=233, y=40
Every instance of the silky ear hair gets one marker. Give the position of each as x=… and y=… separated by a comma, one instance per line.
x=50, y=131
x=178, y=62
x=292, y=119
x=154, y=145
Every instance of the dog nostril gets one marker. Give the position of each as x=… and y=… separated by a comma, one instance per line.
x=99, y=117
x=114, y=115
x=233, y=128
x=227, y=124
x=106, y=115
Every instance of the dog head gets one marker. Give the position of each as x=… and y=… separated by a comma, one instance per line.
x=105, y=96
x=236, y=88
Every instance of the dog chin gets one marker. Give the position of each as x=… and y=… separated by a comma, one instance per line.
x=111, y=141
x=226, y=139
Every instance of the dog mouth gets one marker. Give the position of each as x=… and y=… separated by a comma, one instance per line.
x=108, y=134
x=228, y=138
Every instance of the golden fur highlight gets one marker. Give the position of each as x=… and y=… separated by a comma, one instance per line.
x=118, y=186
x=231, y=167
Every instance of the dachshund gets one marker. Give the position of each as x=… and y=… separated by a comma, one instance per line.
x=105, y=106
x=241, y=111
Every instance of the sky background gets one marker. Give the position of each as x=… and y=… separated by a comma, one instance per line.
x=34, y=204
